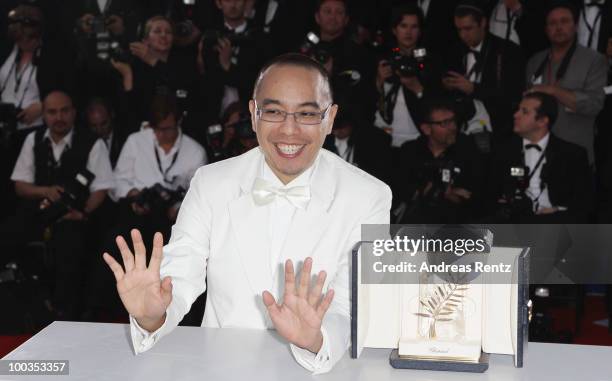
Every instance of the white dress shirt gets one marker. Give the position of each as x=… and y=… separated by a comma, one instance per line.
x=471, y=61
x=403, y=127
x=97, y=161
x=538, y=195
x=137, y=166
x=102, y=4
x=345, y=150
x=424, y=5
x=590, y=20
x=498, y=24
x=24, y=94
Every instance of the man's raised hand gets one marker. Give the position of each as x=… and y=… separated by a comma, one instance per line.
x=298, y=319
x=143, y=294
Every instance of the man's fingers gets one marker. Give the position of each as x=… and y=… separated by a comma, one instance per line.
x=166, y=290
x=315, y=293
x=324, y=306
x=126, y=254
x=157, y=254
x=305, y=278
x=114, y=266
x=289, y=277
x=139, y=250
x=270, y=303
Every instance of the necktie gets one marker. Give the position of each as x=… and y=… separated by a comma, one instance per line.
x=264, y=193
x=534, y=146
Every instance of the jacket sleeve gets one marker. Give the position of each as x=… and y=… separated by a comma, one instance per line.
x=590, y=99
x=185, y=259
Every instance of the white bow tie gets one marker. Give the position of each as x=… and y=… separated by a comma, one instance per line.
x=265, y=192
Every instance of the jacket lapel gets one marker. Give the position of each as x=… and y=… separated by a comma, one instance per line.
x=250, y=226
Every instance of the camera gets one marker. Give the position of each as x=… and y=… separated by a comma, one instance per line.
x=441, y=174
x=211, y=37
x=243, y=128
x=8, y=121
x=518, y=204
x=98, y=24
x=408, y=66
x=76, y=191
x=159, y=198
x=311, y=48
x=183, y=15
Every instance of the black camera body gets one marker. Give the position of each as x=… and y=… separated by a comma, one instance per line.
x=312, y=48
x=75, y=194
x=408, y=66
x=441, y=173
x=8, y=121
x=158, y=198
x=518, y=204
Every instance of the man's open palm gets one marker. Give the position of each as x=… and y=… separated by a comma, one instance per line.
x=144, y=296
x=298, y=319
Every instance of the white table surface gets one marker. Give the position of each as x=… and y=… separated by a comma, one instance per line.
x=104, y=352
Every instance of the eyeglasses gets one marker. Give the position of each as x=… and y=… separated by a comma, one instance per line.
x=274, y=115
x=442, y=123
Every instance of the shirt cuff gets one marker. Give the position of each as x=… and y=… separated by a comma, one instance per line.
x=316, y=363
x=142, y=339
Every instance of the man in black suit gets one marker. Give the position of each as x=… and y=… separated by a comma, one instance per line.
x=102, y=120
x=537, y=177
x=485, y=68
x=364, y=146
x=441, y=172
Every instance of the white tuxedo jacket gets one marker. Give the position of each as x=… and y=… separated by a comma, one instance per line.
x=221, y=239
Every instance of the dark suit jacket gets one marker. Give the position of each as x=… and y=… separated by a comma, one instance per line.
x=502, y=81
x=566, y=172
x=372, y=151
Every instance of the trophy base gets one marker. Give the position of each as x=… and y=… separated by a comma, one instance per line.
x=400, y=362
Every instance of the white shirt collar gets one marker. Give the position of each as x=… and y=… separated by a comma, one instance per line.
x=175, y=146
x=67, y=140
x=239, y=29
x=478, y=47
x=543, y=143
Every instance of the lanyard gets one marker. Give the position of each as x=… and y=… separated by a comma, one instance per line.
x=18, y=78
x=538, y=163
x=165, y=173
x=509, y=20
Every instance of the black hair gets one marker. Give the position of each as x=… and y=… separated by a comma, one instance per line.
x=398, y=13
x=470, y=8
x=563, y=4
x=430, y=105
x=548, y=106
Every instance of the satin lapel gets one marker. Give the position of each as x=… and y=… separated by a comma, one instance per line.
x=309, y=225
x=250, y=227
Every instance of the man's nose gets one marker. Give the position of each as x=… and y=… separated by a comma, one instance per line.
x=289, y=126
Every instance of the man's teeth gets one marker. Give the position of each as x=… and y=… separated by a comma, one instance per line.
x=289, y=149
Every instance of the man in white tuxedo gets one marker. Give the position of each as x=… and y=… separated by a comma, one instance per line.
x=284, y=202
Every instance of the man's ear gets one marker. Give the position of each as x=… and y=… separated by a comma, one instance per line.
x=253, y=114
x=425, y=129
x=331, y=117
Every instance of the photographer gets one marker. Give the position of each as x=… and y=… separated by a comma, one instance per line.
x=231, y=54
x=538, y=177
x=102, y=28
x=484, y=70
x=29, y=69
x=161, y=155
x=155, y=69
x=49, y=166
x=403, y=78
x=440, y=172
x=234, y=136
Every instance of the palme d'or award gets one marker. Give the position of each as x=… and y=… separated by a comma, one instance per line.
x=444, y=323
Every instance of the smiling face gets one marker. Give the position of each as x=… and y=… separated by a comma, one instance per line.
x=160, y=36
x=290, y=147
